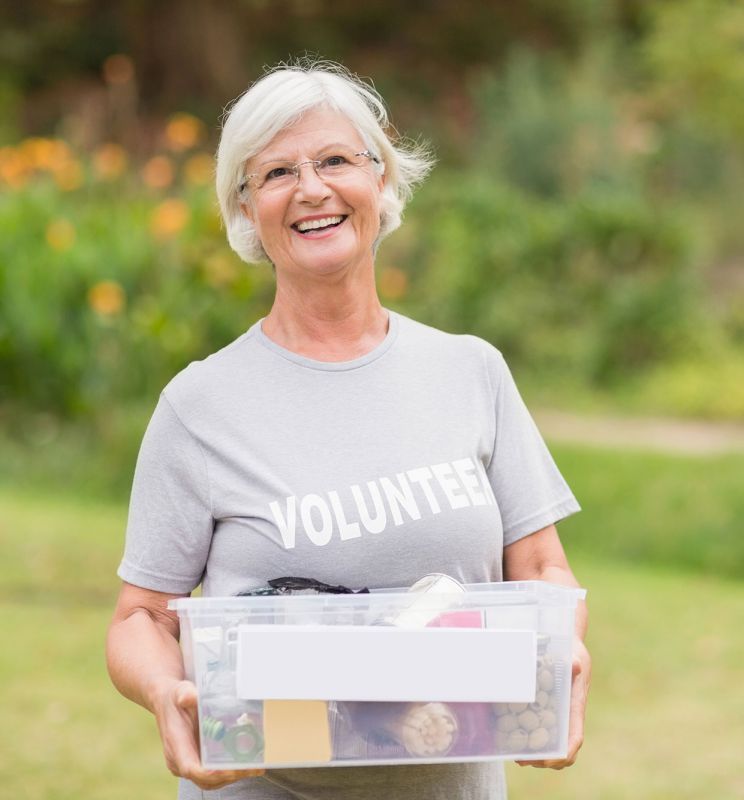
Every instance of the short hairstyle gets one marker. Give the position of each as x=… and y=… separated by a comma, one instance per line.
x=277, y=100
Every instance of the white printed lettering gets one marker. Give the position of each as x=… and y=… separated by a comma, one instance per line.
x=376, y=524
x=398, y=497
x=464, y=467
x=422, y=476
x=384, y=502
x=321, y=535
x=287, y=526
x=346, y=530
x=443, y=473
x=486, y=484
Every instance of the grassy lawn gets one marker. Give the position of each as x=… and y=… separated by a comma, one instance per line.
x=666, y=706
x=665, y=710
x=67, y=734
x=655, y=508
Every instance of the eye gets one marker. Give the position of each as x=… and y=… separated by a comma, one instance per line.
x=276, y=173
x=334, y=162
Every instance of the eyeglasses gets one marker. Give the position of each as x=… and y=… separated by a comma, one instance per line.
x=276, y=176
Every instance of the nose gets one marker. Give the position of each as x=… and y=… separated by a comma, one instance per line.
x=310, y=186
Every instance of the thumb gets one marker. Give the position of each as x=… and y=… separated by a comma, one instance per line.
x=186, y=697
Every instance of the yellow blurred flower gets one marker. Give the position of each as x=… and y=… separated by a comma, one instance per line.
x=41, y=153
x=110, y=161
x=107, y=298
x=199, y=169
x=14, y=170
x=393, y=283
x=68, y=175
x=118, y=69
x=183, y=132
x=169, y=218
x=36, y=152
x=158, y=172
x=60, y=235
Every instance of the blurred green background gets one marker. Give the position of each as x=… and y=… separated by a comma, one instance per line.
x=585, y=217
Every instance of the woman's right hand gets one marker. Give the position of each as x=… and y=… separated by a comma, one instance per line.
x=178, y=722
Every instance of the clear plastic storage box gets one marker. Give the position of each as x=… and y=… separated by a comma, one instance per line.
x=381, y=678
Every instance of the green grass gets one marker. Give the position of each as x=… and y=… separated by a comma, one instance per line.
x=653, y=508
x=684, y=388
x=67, y=734
x=59, y=549
x=664, y=719
x=666, y=706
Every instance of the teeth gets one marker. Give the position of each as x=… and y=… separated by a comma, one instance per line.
x=314, y=224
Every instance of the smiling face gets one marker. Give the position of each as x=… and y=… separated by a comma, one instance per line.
x=318, y=226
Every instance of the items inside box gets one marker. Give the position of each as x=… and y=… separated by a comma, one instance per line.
x=239, y=732
x=296, y=731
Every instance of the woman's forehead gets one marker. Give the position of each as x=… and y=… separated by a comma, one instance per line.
x=313, y=131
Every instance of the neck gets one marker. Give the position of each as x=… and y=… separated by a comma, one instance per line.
x=338, y=322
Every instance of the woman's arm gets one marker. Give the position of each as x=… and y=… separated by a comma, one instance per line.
x=540, y=556
x=145, y=664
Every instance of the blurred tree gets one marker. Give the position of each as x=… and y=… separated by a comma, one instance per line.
x=194, y=55
x=695, y=51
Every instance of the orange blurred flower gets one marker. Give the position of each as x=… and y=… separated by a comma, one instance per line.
x=183, y=131
x=14, y=170
x=107, y=298
x=199, y=169
x=118, y=69
x=60, y=235
x=42, y=153
x=158, y=172
x=36, y=153
x=393, y=283
x=110, y=161
x=68, y=175
x=169, y=218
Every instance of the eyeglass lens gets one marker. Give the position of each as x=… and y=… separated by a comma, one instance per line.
x=337, y=164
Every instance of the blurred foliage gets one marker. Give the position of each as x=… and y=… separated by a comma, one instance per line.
x=585, y=216
x=695, y=51
x=195, y=54
x=597, y=287
x=559, y=240
x=113, y=279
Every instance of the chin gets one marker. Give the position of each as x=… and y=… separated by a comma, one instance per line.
x=331, y=262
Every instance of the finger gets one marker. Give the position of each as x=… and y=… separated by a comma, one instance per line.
x=577, y=709
x=553, y=763
x=180, y=735
x=213, y=779
x=186, y=696
x=185, y=757
x=186, y=753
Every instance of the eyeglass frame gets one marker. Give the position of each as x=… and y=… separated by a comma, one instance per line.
x=295, y=169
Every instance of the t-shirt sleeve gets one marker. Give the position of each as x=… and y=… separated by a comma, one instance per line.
x=530, y=491
x=170, y=524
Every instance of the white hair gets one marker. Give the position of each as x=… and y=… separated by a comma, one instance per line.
x=276, y=101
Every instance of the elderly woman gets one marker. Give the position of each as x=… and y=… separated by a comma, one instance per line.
x=335, y=439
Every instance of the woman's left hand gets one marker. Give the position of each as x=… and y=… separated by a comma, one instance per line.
x=581, y=674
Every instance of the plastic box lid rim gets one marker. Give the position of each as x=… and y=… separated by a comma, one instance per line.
x=521, y=592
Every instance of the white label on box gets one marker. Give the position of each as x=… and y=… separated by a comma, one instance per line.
x=347, y=662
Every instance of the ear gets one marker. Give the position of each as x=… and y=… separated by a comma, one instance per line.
x=247, y=209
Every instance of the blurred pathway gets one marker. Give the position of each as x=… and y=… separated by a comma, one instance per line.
x=648, y=433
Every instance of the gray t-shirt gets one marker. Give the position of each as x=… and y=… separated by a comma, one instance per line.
x=418, y=457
